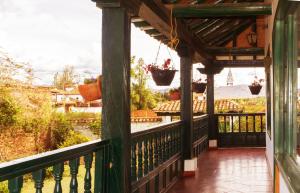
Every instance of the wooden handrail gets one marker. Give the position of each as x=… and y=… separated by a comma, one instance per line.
x=29, y=164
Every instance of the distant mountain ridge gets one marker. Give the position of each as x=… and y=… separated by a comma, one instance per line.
x=236, y=92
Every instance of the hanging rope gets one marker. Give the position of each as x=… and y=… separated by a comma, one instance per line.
x=174, y=41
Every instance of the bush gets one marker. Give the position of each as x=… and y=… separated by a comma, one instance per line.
x=8, y=110
x=61, y=129
x=74, y=138
x=95, y=127
x=4, y=187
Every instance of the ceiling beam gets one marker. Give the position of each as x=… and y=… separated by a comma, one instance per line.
x=222, y=51
x=221, y=10
x=238, y=63
x=155, y=13
x=227, y=33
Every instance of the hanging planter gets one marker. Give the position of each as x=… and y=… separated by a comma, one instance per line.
x=174, y=94
x=162, y=76
x=256, y=86
x=91, y=90
x=199, y=87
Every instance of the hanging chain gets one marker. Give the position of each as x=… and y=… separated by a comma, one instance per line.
x=155, y=62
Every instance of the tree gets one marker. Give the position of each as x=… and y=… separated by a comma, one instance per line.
x=65, y=79
x=141, y=96
x=11, y=71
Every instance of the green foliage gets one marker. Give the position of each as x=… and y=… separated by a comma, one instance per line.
x=253, y=105
x=141, y=96
x=4, y=187
x=95, y=127
x=73, y=138
x=81, y=115
x=8, y=110
x=89, y=80
x=60, y=128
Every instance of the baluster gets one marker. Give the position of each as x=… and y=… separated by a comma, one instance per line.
x=172, y=142
x=133, y=161
x=156, y=156
x=239, y=123
x=140, y=159
x=146, y=156
x=58, y=170
x=167, y=145
x=15, y=185
x=38, y=177
x=74, y=164
x=261, y=124
x=254, y=129
x=151, y=153
x=88, y=160
x=179, y=140
x=163, y=147
x=160, y=151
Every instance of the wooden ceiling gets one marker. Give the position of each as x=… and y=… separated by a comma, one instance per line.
x=212, y=28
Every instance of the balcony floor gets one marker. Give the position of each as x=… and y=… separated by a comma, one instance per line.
x=242, y=170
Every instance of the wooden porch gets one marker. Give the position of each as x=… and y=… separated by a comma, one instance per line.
x=152, y=161
x=238, y=170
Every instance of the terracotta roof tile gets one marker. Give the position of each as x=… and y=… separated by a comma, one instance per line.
x=199, y=106
x=144, y=116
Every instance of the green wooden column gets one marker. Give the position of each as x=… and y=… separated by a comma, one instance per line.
x=186, y=102
x=210, y=106
x=116, y=28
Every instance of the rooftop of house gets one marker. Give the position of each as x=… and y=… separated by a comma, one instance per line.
x=199, y=107
x=139, y=116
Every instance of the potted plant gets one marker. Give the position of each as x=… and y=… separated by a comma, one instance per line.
x=91, y=89
x=174, y=94
x=256, y=86
x=162, y=75
x=199, y=86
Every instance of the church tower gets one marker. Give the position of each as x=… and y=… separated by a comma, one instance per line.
x=229, y=78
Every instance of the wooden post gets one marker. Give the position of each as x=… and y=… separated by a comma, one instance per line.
x=116, y=28
x=210, y=107
x=186, y=107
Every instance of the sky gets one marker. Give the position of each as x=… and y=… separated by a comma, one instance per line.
x=52, y=34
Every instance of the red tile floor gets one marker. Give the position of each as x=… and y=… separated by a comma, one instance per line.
x=242, y=170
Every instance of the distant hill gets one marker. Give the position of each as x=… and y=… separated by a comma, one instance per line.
x=236, y=92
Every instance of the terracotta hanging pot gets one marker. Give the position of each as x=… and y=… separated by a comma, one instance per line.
x=199, y=87
x=91, y=91
x=162, y=77
x=255, y=89
x=174, y=95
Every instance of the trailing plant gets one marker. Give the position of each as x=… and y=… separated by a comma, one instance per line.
x=257, y=82
x=165, y=66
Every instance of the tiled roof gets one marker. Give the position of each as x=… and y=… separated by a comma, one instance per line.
x=199, y=106
x=139, y=116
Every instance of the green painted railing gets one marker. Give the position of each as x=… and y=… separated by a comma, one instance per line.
x=241, y=129
x=156, y=161
x=14, y=171
x=200, y=134
x=156, y=158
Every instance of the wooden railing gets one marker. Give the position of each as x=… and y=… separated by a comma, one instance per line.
x=200, y=134
x=156, y=158
x=245, y=129
x=156, y=161
x=14, y=171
